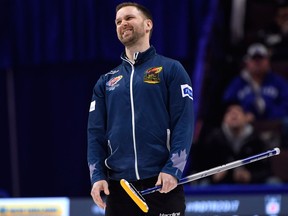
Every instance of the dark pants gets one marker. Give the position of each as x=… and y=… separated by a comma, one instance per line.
x=160, y=204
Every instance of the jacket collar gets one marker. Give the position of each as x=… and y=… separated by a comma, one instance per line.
x=140, y=57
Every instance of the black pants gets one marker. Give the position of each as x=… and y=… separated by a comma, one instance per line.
x=160, y=204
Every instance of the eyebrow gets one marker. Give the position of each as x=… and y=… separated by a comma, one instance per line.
x=127, y=15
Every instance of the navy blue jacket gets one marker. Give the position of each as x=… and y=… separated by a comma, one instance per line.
x=141, y=119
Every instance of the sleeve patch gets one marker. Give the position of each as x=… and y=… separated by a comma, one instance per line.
x=187, y=91
x=92, y=106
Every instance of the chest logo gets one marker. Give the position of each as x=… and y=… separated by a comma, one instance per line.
x=113, y=83
x=152, y=75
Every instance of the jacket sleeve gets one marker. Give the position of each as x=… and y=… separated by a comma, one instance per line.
x=96, y=133
x=181, y=110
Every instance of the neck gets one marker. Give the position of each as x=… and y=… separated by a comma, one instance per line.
x=236, y=131
x=130, y=50
x=258, y=78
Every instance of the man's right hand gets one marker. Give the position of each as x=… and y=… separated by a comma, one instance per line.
x=99, y=186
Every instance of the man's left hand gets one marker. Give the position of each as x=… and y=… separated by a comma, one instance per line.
x=167, y=181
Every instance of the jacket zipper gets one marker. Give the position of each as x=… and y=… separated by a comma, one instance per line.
x=133, y=117
x=109, y=145
x=168, y=140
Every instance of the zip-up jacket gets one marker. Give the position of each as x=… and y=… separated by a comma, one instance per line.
x=141, y=119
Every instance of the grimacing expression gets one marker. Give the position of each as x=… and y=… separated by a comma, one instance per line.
x=131, y=25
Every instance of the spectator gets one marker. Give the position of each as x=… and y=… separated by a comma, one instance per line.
x=235, y=139
x=258, y=89
x=275, y=36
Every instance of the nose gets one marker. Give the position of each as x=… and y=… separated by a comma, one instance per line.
x=124, y=23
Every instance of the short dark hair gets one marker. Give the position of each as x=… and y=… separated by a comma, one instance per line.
x=141, y=8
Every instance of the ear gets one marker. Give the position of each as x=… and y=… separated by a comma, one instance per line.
x=148, y=24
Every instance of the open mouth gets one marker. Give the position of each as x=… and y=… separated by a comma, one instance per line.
x=126, y=32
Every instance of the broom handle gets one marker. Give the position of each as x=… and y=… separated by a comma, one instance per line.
x=218, y=169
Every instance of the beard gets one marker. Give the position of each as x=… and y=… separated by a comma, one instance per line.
x=131, y=39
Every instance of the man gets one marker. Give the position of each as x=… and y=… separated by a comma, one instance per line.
x=234, y=140
x=140, y=124
x=275, y=35
x=259, y=90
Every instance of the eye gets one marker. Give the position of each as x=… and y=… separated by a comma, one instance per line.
x=129, y=18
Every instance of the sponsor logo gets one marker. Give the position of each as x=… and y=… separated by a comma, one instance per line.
x=34, y=206
x=213, y=206
x=187, y=91
x=113, y=83
x=92, y=106
x=112, y=72
x=273, y=204
x=152, y=75
x=171, y=214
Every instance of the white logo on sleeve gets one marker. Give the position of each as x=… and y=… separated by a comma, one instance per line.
x=92, y=106
x=187, y=91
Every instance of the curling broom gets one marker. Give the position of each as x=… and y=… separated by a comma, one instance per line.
x=137, y=196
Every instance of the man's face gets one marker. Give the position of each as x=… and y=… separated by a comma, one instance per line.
x=235, y=117
x=282, y=19
x=258, y=65
x=131, y=25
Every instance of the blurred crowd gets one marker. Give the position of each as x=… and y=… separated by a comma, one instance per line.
x=248, y=111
